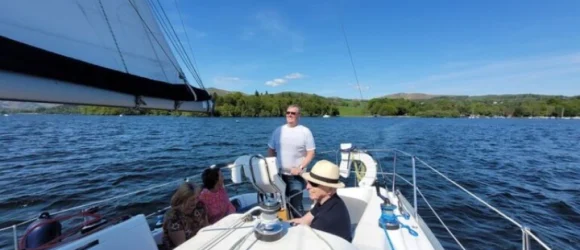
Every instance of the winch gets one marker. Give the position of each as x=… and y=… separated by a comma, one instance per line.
x=269, y=228
x=388, y=218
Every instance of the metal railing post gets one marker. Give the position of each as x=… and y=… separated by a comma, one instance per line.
x=394, y=170
x=414, y=186
x=523, y=238
x=526, y=238
x=15, y=237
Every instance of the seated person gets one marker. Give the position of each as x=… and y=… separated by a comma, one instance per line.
x=214, y=195
x=185, y=218
x=329, y=213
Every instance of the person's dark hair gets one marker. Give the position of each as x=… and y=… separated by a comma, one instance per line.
x=210, y=177
x=185, y=191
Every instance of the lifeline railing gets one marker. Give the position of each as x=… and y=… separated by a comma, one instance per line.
x=526, y=233
x=91, y=204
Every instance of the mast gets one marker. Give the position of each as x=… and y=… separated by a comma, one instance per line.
x=92, y=52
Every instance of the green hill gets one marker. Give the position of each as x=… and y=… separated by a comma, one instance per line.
x=233, y=103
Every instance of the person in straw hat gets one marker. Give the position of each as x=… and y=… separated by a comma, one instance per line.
x=329, y=213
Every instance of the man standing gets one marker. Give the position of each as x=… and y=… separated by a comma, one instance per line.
x=293, y=145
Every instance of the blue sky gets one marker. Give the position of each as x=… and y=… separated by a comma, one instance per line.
x=435, y=47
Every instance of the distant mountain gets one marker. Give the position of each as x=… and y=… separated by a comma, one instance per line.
x=218, y=91
x=411, y=96
x=9, y=105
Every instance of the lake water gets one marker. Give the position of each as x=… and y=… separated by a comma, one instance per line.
x=529, y=169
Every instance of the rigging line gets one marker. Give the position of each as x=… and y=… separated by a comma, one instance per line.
x=171, y=40
x=195, y=73
x=350, y=55
x=188, y=41
x=175, y=41
x=113, y=35
x=156, y=55
x=153, y=34
x=163, y=25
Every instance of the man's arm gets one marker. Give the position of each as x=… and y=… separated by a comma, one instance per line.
x=272, y=144
x=310, y=148
x=307, y=159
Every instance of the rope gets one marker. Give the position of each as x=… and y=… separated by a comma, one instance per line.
x=235, y=225
x=351, y=60
x=239, y=243
x=358, y=165
x=179, y=45
x=188, y=42
x=150, y=31
x=319, y=237
x=290, y=204
x=114, y=38
x=388, y=237
x=163, y=25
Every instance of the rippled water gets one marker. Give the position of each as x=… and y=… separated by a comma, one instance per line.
x=529, y=169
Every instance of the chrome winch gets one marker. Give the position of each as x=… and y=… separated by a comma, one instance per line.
x=269, y=228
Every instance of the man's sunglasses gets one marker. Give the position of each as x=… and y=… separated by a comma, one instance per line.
x=290, y=113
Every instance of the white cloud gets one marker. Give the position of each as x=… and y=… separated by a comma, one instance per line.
x=276, y=82
x=500, y=74
x=279, y=81
x=294, y=76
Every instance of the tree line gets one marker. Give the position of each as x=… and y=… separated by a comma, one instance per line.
x=236, y=104
x=268, y=105
x=229, y=105
x=506, y=105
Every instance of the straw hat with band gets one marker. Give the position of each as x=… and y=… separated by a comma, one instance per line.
x=324, y=173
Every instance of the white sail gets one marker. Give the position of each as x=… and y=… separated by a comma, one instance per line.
x=118, y=46
x=87, y=31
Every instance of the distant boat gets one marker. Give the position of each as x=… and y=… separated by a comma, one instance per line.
x=6, y=115
x=325, y=116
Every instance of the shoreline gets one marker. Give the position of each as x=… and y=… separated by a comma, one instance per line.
x=341, y=116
